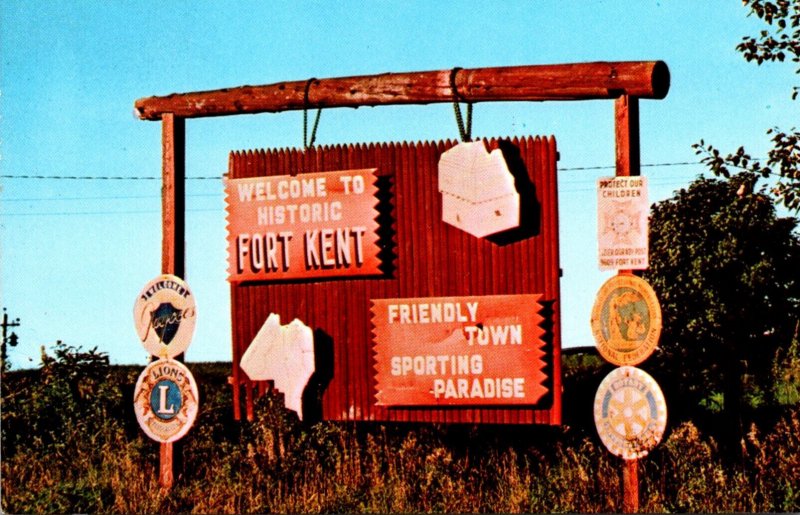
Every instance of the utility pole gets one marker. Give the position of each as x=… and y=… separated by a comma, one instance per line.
x=8, y=339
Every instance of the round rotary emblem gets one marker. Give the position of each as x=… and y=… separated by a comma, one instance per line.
x=165, y=400
x=630, y=412
x=626, y=320
x=164, y=314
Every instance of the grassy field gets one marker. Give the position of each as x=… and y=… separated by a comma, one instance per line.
x=71, y=444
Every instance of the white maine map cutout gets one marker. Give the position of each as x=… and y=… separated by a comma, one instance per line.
x=478, y=192
x=284, y=354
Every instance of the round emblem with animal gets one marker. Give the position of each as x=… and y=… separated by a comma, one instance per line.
x=626, y=320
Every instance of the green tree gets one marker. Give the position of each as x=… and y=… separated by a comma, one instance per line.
x=725, y=268
x=779, y=42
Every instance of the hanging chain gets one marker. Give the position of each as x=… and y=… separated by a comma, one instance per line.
x=306, y=143
x=464, y=132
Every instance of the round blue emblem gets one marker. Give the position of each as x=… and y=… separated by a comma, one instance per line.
x=166, y=399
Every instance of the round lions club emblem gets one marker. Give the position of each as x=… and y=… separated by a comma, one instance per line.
x=165, y=400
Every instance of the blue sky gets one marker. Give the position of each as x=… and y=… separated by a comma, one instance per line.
x=74, y=253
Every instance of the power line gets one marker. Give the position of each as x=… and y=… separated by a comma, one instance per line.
x=103, y=197
x=93, y=213
x=653, y=181
x=216, y=178
x=145, y=178
x=645, y=165
x=583, y=180
x=566, y=190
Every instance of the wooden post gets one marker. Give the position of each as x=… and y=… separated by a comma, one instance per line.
x=626, y=132
x=173, y=143
x=173, y=230
x=626, y=129
x=630, y=486
x=165, y=476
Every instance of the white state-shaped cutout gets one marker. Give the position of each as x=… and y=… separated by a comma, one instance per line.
x=285, y=355
x=478, y=192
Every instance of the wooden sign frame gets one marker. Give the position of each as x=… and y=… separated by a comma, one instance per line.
x=624, y=82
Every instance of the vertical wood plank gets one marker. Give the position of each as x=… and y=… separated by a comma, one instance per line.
x=236, y=310
x=248, y=395
x=551, y=171
x=626, y=129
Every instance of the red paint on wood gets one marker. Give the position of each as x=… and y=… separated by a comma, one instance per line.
x=626, y=131
x=421, y=257
x=626, y=125
x=165, y=476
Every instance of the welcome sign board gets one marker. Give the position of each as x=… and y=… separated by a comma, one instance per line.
x=306, y=226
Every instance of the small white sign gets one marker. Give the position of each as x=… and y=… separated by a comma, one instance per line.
x=622, y=223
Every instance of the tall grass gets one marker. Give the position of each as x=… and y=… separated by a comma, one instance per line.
x=91, y=461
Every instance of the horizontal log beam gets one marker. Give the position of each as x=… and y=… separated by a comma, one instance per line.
x=580, y=81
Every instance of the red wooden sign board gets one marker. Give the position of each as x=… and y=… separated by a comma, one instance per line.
x=459, y=351
x=420, y=256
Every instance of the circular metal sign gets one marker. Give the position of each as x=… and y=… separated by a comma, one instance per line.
x=630, y=412
x=165, y=400
x=164, y=315
x=626, y=320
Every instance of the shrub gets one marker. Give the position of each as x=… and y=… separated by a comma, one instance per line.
x=88, y=461
x=72, y=400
